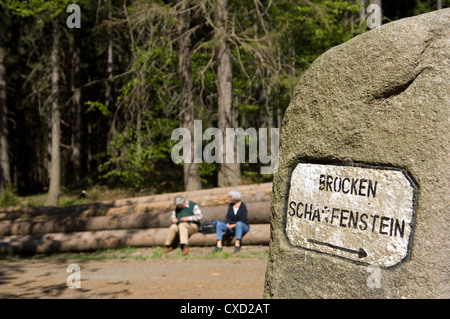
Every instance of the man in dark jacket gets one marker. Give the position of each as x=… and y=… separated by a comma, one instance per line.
x=236, y=223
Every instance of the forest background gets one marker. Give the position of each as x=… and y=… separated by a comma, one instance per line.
x=94, y=107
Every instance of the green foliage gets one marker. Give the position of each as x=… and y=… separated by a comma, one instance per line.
x=206, y=172
x=8, y=197
x=272, y=43
x=132, y=158
x=42, y=8
x=315, y=27
x=97, y=106
x=424, y=6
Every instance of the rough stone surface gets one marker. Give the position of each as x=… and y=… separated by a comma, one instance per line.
x=381, y=99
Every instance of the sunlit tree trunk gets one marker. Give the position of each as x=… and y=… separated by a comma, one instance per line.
x=76, y=111
x=191, y=170
x=55, y=164
x=379, y=2
x=110, y=69
x=5, y=178
x=229, y=173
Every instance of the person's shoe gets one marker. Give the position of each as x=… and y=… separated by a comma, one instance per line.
x=185, y=250
x=217, y=249
x=237, y=249
x=167, y=249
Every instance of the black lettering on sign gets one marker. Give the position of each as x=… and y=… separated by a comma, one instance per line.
x=345, y=190
x=338, y=188
x=347, y=218
x=353, y=219
x=316, y=215
x=383, y=225
x=308, y=212
x=372, y=188
x=343, y=217
x=374, y=217
x=298, y=205
x=362, y=187
x=292, y=208
x=354, y=186
x=363, y=221
x=332, y=214
x=321, y=182
x=401, y=229
x=329, y=182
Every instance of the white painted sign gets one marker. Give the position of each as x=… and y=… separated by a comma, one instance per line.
x=360, y=213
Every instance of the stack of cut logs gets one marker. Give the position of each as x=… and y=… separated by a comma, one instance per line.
x=138, y=222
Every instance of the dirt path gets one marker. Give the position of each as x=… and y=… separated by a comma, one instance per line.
x=139, y=273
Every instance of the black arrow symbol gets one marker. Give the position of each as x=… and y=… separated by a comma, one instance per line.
x=361, y=252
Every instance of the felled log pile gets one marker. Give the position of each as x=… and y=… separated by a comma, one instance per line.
x=138, y=222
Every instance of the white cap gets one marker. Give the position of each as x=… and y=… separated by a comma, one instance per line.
x=179, y=200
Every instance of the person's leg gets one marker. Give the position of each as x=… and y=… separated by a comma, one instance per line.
x=241, y=229
x=186, y=230
x=173, y=232
x=192, y=229
x=220, y=228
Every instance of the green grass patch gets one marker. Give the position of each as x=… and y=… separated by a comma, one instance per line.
x=135, y=253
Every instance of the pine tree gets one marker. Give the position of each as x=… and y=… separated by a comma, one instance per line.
x=5, y=178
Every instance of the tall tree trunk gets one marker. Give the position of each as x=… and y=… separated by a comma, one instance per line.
x=5, y=178
x=76, y=110
x=138, y=133
x=191, y=170
x=109, y=97
x=229, y=173
x=379, y=2
x=110, y=69
x=362, y=13
x=439, y=4
x=55, y=166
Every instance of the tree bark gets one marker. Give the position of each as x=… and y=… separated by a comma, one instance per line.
x=379, y=2
x=55, y=166
x=259, y=234
x=5, y=177
x=191, y=170
x=66, y=221
x=439, y=4
x=362, y=12
x=229, y=173
x=110, y=68
x=207, y=199
x=76, y=111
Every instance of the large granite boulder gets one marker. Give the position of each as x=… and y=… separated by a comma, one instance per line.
x=377, y=108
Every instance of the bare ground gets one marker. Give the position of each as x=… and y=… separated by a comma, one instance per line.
x=138, y=273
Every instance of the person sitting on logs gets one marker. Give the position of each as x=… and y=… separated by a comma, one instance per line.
x=236, y=223
x=186, y=218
